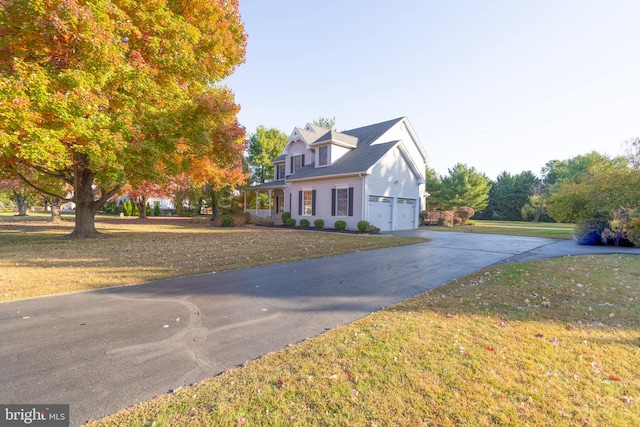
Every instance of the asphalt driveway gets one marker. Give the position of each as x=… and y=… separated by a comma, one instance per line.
x=102, y=351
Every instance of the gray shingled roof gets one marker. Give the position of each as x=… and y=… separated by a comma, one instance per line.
x=339, y=137
x=357, y=160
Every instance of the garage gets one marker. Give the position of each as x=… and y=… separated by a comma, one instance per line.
x=406, y=218
x=380, y=210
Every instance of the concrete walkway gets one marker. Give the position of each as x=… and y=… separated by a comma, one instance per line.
x=102, y=351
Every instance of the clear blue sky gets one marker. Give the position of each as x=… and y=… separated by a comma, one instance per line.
x=499, y=85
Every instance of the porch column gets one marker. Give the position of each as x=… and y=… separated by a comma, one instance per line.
x=257, y=192
x=270, y=213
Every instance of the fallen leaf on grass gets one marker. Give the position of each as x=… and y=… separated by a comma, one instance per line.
x=614, y=377
x=539, y=336
x=489, y=348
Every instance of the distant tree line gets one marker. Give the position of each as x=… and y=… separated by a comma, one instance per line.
x=601, y=194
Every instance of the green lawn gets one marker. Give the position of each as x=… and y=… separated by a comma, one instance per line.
x=514, y=228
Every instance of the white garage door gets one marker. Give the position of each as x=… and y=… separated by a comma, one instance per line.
x=406, y=214
x=380, y=212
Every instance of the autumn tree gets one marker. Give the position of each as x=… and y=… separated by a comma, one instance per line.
x=464, y=186
x=264, y=146
x=94, y=93
x=20, y=193
x=140, y=193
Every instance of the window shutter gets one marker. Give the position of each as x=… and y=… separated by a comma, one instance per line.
x=302, y=163
x=290, y=205
x=291, y=164
x=350, y=201
x=300, y=202
x=277, y=204
x=333, y=202
x=313, y=202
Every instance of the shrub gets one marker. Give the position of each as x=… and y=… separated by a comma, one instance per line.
x=589, y=231
x=465, y=212
x=634, y=232
x=265, y=222
x=291, y=222
x=148, y=209
x=304, y=223
x=442, y=222
x=340, y=225
x=156, y=209
x=127, y=208
x=471, y=222
x=227, y=221
x=318, y=223
x=363, y=226
x=372, y=229
x=618, y=228
x=285, y=217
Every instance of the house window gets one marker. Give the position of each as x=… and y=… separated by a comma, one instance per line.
x=342, y=201
x=280, y=172
x=307, y=202
x=323, y=155
x=297, y=162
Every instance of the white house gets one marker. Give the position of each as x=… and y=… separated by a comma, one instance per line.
x=373, y=173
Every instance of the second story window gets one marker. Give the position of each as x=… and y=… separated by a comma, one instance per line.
x=297, y=162
x=323, y=155
x=280, y=172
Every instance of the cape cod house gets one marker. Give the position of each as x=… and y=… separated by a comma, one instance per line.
x=373, y=173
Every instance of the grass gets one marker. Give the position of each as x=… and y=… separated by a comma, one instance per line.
x=35, y=260
x=553, y=342
x=515, y=228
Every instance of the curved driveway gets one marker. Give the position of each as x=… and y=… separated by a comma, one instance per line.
x=102, y=351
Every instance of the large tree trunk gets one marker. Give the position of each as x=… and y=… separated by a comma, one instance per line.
x=86, y=207
x=215, y=212
x=56, y=203
x=141, y=202
x=21, y=201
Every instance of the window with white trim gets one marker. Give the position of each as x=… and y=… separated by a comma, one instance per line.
x=323, y=155
x=308, y=202
x=297, y=162
x=280, y=172
x=342, y=201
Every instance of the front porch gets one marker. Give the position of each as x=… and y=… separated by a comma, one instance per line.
x=275, y=201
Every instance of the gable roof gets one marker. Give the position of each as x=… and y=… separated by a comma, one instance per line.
x=365, y=155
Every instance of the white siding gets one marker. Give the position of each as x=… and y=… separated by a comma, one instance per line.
x=323, y=200
x=336, y=151
x=399, y=132
x=295, y=149
x=392, y=177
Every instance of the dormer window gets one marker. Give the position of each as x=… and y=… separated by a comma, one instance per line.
x=280, y=172
x=323, y=155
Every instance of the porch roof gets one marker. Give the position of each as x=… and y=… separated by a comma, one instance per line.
x=274, y=185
